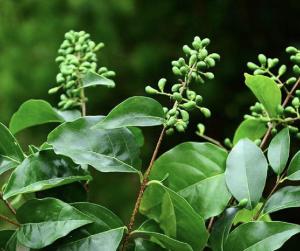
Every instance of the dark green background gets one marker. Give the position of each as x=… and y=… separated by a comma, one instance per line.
x=141, y=38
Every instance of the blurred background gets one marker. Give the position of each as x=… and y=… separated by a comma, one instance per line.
x=141, y=37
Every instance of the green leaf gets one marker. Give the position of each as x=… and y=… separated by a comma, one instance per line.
x=46, y=220
x=260, y=236
x=43, y=170
x=293, y=172
x=137, y=132
x=250, y=128
x=190, y=226
x=202, y=165
x=246, y=172
x=221, y=229
x=94, y=79
x=286, y=197
x=106, y=150
x=145, y=245
x=37, y=112
x=106, y=241
x=134, y=111
x=5, y=235
x=9, y=147
x=266, y=91
x=245, y=215
x=278, y=151
x=7, y=164
x=14, y=245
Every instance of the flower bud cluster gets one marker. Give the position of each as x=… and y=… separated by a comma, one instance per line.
x=194, y=68
x=76, y=57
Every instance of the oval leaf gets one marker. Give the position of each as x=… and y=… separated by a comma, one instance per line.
x=106, y=150
x=93, y=79
x=278, y=151
x=188, y=226
x=293, y=171
x=134, y=111
x=266, y=91
x=41, y=171
x=250, y=128
x=46, y=220
x=37, y=112
x=286, y=197
x=246, y=172
x=202, y=165
x=260, y=236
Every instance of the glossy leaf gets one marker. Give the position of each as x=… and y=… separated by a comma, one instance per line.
x=106, y=150
x=190, y=226
x=202, y=165
x=134, y=111
x=245, y=215
x=92, y=79
x=250, y=128
x=37, y=112
x=107, y=241
x=41, y=171
x=260, y=236
x=278, y=151
x=46, y=220
x=293, y=172
x=246, y=172
x=9, y=147
x=221, y=229
x=7, y=164
x=266, y=91
x=14, y=245
x=286, y=197
x=5, y=235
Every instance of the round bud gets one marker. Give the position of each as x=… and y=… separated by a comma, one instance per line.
x=54, y=90
x=257, y=142
x=290, y=109
x=282, y=69
x=60, y=78
x=193, y=60
x=184, y=69
x=280, y=109
x=172, y=121
x=273, y=131
x=176, y=87
x=296, y=70
x=186, y=49
x=296, y=102
x=202, y=54
x=206, y=112
x=228, y=143
x=262, y=59
x=296, y=59
x=243, y=203
x=177, y=96
x=197, y=44
x=170, y=131
x=201, y=128
x=191, y=95
x=176, y=71
x=150, y=90
x=215, y=56
x=205, y=42
x=258, y=72
x=189, y=105
x=198, y=99
x=165, y=109
x=161, y=84
x=175, y=63
x=201, y=65
x=272, y=62
x=252, y=66
x=291, y=50
x=209, y=75
x=210, y=62
x=181, y=61
x=291, y=81
x=180, y=128
x=184, y=115
x=172, y=111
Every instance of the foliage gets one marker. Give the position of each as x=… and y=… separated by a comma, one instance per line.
x=192, y=197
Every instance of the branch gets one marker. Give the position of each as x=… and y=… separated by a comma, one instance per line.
x=4, y=218
x=8, y=205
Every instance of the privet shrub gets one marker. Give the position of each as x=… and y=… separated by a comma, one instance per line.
x=195, y=196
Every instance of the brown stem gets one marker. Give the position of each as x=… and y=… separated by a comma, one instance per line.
x=142, y=190
x=8, y=205
x=210, y=224
x=4, y=218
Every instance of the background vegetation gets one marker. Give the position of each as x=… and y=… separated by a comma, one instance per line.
x=141, y=38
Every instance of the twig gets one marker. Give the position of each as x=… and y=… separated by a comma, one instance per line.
x=4, y=218
x=8, y=205
x=210, y=224
x=142, y=190
x=216, y=142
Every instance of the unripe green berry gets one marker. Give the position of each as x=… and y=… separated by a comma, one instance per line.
x=193, y=60
x=228, y=143
x=191, y=95
x=165, y=109
x=202, y=54
x=54, y=90
x=291, y=50
x=201, y=128
x=171, y=121
x=243, y=203
x=262, y=59
x=215, y=56
x=296, y=70
x=175, y=63
x=170, y=131
x=298, y=93
x=295, y=59
x=161, y=84
x=252, y=66
x=201, y=65
x=184, y=70
x=293, y=129
x=150, y=90
x=257, y=142
x=209, y=75
x=205, y=42
x=273, y=131
x=176, y=71
x=206, y=112
x=197, y=44
x=186, y=49
x=272, y=62
x=198, y=99
x=176, y=87
x=210, y=62
x=259, y=72
x=177, y=96
x=180, y=128
x=60, y=78
x=280, y=109
x=184, y=115
x=282, y=69
x=189, y=105
x=290, y=109
x=291, y=81
x=172, y=112
x=296, y=102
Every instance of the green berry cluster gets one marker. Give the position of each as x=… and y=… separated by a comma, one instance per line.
x=76, y=57
x=288, y=114
x=193, y=68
